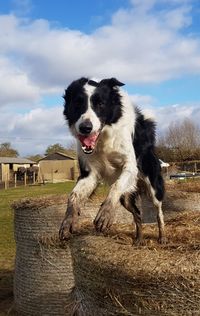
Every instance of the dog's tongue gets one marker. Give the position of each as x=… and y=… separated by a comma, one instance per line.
x=88, y=141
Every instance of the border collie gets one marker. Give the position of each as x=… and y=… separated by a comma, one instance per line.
x=115, y=143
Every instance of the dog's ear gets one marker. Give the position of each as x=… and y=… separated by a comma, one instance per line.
x=93, y=83
x=82, y=81
x=112, y=82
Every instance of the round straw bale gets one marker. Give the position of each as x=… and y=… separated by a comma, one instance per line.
x=113, y=277
x=94, y=275
x=181, y=201
x=174, y=201
x=44, y=278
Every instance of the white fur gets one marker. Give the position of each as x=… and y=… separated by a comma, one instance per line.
x=89, y=114
x=157, y=204
x=114, y=158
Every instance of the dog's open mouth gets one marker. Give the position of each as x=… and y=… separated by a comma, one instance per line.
x=88, y=143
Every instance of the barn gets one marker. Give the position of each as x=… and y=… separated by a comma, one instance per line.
x=58, y=167
x=8, y=165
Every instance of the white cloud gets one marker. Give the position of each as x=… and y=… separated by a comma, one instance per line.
x=15, y=86
x=144, y=100
x=174, y=113
x=140, y=45
x=144, y=5
x=137, y=46
x=31, y=132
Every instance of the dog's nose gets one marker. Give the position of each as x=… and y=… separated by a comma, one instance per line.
x=85, y=127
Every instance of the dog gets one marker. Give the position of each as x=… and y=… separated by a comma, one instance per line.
x=115, y=144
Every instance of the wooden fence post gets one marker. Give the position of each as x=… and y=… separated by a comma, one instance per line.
x=33, y=177
x=25, y=179
x=15, y=180
x=52, y=175
x=6, y=181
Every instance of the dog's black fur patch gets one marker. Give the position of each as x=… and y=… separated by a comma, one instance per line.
x=106, y=100
x=76, y=101
x=144, y=144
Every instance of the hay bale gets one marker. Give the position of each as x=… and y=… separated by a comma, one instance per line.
x=44, y=278
x=181, y=201
x=94, y=275
x=113, y=277
x=174, y=201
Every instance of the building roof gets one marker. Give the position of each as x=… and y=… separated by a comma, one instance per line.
x=57, y=156
x=15, y=160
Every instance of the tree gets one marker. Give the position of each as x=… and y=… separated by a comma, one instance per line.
x=35, y=157
x=180, y=142
x=7, y=151
x=70, y=151
x=54, y=148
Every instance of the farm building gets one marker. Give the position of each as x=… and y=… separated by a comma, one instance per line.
x=58, y=167
x=8, y=165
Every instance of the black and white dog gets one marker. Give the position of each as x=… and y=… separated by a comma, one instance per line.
x=115, y=144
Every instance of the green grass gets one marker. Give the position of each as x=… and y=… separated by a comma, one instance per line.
x=7, y=197
x=7, y=243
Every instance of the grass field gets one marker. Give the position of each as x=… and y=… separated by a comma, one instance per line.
x=7, y=243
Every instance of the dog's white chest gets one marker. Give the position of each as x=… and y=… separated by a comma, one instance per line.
x=108, y=165
x=108, y=159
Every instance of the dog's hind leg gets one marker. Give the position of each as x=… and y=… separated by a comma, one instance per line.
x=130, y=201
x=156, y=192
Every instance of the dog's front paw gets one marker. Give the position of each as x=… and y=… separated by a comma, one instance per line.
x=70, y=223
x=105, y=217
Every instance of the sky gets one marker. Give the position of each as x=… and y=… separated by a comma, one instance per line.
x=153, y=46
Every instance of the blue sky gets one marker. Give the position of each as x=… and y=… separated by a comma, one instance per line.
x=82, y=15
x=153, y=46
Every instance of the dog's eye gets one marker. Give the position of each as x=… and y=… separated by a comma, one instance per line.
x=98, y=106
x=97, y=102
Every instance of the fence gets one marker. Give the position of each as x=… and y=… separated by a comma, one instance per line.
x=24, y=180
x=191, y=166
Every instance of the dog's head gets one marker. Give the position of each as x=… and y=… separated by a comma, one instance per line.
x=89, y=106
